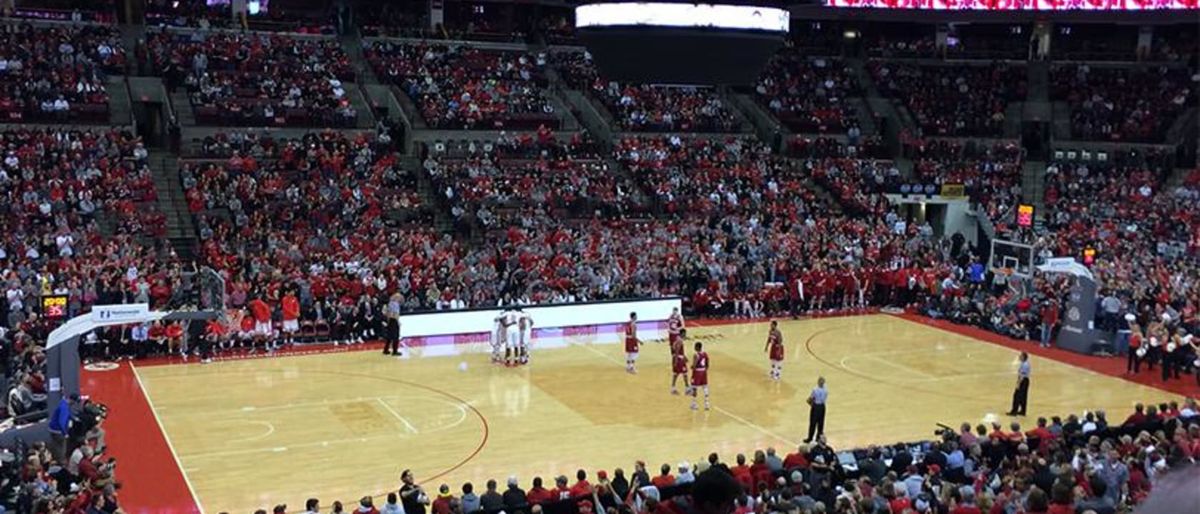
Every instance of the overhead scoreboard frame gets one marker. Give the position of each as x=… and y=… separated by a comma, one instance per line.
x=1011, y=256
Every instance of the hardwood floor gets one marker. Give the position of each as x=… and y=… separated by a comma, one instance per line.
x=253, y=433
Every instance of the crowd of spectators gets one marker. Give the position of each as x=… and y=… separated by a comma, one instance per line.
x=1144, y=235
x=960, y=100
x=203, y=14
x=260, y=80
x=77, y=210
x=1122, y=104
x=464, y=87
x=484, y=182
x=990, y=175
x=57, y=73
x=808, y=94
x=647, y=107
x=1078, y=463
x=299, y=208
x=712, y=176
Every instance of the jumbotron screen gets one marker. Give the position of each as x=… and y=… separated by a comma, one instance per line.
x=1021, y=5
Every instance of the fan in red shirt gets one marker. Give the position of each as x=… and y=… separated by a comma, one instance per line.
x=679, y=365
x=775, y=351
x=631, y=344
x=581, y=487
x=538, y=494
x=290, y=307
x=700, y=375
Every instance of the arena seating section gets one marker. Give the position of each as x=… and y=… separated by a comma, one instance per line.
x=259, y=80
x=466, y=87
x=61, y=76
x=517, y=204
x=952, y=100
x=645, y=107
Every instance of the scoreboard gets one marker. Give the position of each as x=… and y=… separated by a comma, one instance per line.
x=1025, y=215
x=54, y=306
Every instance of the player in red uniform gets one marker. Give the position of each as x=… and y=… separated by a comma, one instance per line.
x=674, y=327
x=631, y=344
x=774, y=349
x=679, y=366
x=261, y=312
x=290, y=307
x=700, y=375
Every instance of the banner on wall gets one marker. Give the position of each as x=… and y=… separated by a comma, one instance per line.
x=1021, y=5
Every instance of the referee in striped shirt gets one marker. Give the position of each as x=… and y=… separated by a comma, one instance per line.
x=816, y=410
x=1020, y=397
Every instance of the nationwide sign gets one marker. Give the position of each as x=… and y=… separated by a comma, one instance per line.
x=132, y=312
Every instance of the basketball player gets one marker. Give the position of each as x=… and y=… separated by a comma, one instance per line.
x=498, y=336
x=290, y=308
x=631, y=344
x=674, y=328
x=679, y=365
x=700, y=375
x=512, y=337
x=775, y=351
x=261, y=312
x=525, y=332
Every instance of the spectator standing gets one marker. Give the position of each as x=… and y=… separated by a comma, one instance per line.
x=60, y=426
x=412, y=496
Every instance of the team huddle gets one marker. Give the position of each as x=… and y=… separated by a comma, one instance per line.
x=698, y=381
x=511, y=337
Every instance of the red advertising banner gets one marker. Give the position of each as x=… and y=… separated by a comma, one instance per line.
x=1021, y=5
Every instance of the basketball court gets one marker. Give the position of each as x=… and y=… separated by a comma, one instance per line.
x=253, y=433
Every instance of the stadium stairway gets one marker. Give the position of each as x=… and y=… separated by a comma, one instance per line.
x=352, y=45
x=726, y=97
x=181, y=230
x=408, y=108
x=1061, y=128
x=1013, y=114
x=120, y=111
x=1178, y=175
x=865, y=116
x=183, y=108
x=366, y=116
x=880, y=108
x=588, y=115
x=764, y=124
x=1033, y=184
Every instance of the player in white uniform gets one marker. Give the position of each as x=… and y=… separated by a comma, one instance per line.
x=512, y=337
x=525, y=328
x=498, y=336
